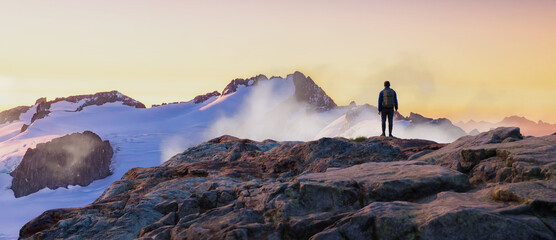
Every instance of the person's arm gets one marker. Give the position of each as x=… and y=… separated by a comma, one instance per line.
x=380, y=101
x=396, y=97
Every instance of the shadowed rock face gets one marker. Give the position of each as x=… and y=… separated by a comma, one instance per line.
x=306, y=90
x=76, y=159
x=234, y=84
x=449, y=215
x=43, y=109
x=332, y=188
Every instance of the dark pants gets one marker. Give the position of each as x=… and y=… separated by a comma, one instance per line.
x=387, y=112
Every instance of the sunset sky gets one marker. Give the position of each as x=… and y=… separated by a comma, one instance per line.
x=463, y=60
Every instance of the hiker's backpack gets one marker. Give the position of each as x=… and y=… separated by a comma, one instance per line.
x=388, y=98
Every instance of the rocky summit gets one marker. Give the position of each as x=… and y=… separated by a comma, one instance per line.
x=75, y=159
x=332, y=188
x=13, y=114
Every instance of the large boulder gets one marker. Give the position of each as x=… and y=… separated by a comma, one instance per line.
x=500, y=155
x=326, y=153
x=449, y=216
x=389, y=181
x=76, y=159
x=540, y=195
x=224, y=148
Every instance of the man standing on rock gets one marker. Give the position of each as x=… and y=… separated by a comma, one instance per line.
x=387, y=102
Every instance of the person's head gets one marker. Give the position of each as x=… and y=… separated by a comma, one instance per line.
x=387, y=84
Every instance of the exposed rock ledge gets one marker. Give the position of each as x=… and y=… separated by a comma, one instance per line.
x=76, y=159
x=231, y=188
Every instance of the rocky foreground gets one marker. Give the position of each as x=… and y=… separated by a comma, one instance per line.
x=497, y=185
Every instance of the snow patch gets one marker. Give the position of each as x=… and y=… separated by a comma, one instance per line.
x=217, y=101
x=27, y=116
x=67, y=106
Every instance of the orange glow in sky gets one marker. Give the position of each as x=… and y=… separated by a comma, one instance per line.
x=458, y=59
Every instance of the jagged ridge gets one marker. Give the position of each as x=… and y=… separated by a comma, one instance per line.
x=306, y=91
x=43, y=106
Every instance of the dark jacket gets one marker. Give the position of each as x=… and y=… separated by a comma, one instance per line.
x=380, y=100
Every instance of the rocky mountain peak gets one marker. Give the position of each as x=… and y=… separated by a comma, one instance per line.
x=234, y=84
x=306, y=90
x=13, y=114
x=43, y=105
x=40, y=100
x=103, y=98
x=98, y=99
x=203, y=98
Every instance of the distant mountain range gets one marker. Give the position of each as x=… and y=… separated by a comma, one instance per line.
x=305, y=91
x=528, y=127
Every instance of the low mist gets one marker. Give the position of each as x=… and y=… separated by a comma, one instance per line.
x=77, y=153
x=366, y=122
x=173, y=145
x=270, y=111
